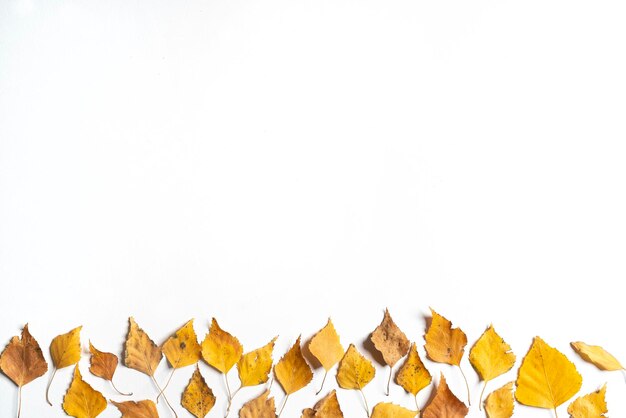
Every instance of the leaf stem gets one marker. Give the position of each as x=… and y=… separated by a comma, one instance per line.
x=367, y=408
x=283, y=406
x=166, y=384
x=230, y=401
x=556, y=415
x=480, y=401
x=417, y=406
x=164, y=397
x=389, y=380
x=19, y=401
x=54, y=371
x=469, y=401
x=118, y=391
x=230, y=396
x=323, y=380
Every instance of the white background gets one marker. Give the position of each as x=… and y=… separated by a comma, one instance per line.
x=273, y=163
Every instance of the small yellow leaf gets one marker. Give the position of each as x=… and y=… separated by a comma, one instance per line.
x=65, y=349
x=390, y=340
x=327, y=407
x=254, y=367
x=81, y=400
x=22, y=359
x=546, y=378
x=140, y=409
x=326, y=347
x=261, y=407
x=597, y=356
x=592, y=405
x=444, y=344
x=292, y=371
x=389, y=410
x=500, y=402
x=491, y=356
x=445, y=404
x=413, y=375
x=141, y=353
x=182, y=348
x=198, y=397
x=220, y=349
x=355, y=371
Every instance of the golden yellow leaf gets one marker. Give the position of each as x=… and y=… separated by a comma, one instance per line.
x=445, y=404
x=22, y=361
x=389, y=339
x=292, y=371
x=597, y=356
x=326, y=347
x=327, y=407
x=500, y=402
x=413, y=375
x=261, y=407
x=220, y=349
x=491, y=357
x=81, y=400
x=182, y=348
x=140, y=409
x=592, y=405
x=444, y=344
x=65, y=351
x=254, y=367
x=546, y=378
x=103, y=365
x=141, y=353
x=198, y=397
x=389, y=410
x=355, y=371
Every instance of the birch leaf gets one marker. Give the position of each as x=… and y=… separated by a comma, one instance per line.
x=413, y=375
x=327, y=407
x=81, y=400
x=182, y=348
x=254, y=367
x=103, y=365
x=198, y=397
x=261, y=407
x=389, y=410
x=292, y=371
x=139, y=409
x=65, y=351
x=500, y=403
x=355, y=371
x=592, y=405
x=141, y=353
x=220, y=349
x=445, y=404
x=597, y=356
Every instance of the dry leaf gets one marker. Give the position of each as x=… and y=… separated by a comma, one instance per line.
x=326, y=348
x=198, y=397
x=392, y=343
x=141, y=353
x=65, y=351
x=546, y=378
x=22, y=361
x=182, y=348
x=261, y=407
x=597, y=356
x=355, y=371
x=81, y=400
x=254, y=367
x=500, y=403
x=220, y=349
x=413, y=375
x=103, y=365
x=140, y=409
x=327, y=407
x=292, y=371
x=592, y=405
x=445, y=404
x=389, y=410
x=491, y=357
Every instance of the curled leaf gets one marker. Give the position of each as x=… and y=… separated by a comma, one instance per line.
x=445, y=404
x=327, y=407
x=500, y=403
x=139, y=409
x=592, y=405
x=597, y=356
x=81, y=400
x=260, y=407
x=198, y=397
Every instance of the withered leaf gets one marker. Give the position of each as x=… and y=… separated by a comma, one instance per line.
x=413, y=375
x=198, y=397
x=260, y=407
x=445, y=404
x=182, y=348
x=292, y=371
x=141, y=353
x=81, y=400
x=597, y=356
x=103, y=364
x=389, y=410
x=327, y=348
x=139, y=409
x=500, y=403
x=592, y=405
x=65, y=351
x=355, y=371
x=392, y=343
x=221, y=349
x=327, y=407
x=254, y=367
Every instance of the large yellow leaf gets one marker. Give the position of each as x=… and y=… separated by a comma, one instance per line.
x=413, y=375
x=355, y=371
x=389, y=410
x=546, y=378
x=292, y=371
x=500, y=402
x=182, y=348
x=65, y=351
x=220, y=349
x=103, y=365
x=326, y=347
x=141, y=353
x=327, y=407
x=81, y=400
x=445, y=404
x=260, y=407
x=597, y=356
x=254, y=367
x=140, y=409
x=444, y=344
x=592, y=405
x=198, y=397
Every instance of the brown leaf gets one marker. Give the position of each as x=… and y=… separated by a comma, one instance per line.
x=327, y=407
x=103, y=365
x=445, y=404
x=261, y=407
x=141, y=353
x=140, y=409
x=389, y=339
x=22, y=360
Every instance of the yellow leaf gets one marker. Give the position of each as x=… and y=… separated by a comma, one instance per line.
x=592, y=405
x=327, y=407
x=261, y=407
x=292, y=371
x=81, y=400
x=389, y=410
x=597, y=356
x=65, y=351
x=140, y=409
x=254, y=367
x=444, y=344
x=22, y=359
x=326, y=347
x=141, y=353
x=500, y=402
x=103, y=365
x=413, y=375
x=220, y=349
x=355, y=371
x=445, y=404
x=182, y=348
x=198, y=397
x=390, y=340
x=546, y=378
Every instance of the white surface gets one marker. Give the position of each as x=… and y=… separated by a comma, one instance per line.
x=273, y=163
